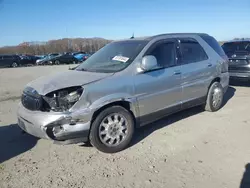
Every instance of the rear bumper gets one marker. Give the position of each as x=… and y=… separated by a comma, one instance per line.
x=239, y=71
x=243, y=75
x=59, y=127
x=224, y=80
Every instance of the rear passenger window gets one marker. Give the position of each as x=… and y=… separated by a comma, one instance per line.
x=191, y=51
x=164, y=53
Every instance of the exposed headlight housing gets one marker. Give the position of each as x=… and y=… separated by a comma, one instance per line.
x=62, y=100
x=73, y=97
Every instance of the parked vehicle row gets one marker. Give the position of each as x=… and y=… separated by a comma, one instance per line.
x=50, y=59
x=17, y=60
x=66, y=58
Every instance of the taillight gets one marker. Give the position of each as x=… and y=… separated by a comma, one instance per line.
x=224, y=66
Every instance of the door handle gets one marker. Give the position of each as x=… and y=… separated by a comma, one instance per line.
x=177, y=72
x=209, y=65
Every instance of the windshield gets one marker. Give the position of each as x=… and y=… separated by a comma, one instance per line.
x=113, y=57
x=236, y=46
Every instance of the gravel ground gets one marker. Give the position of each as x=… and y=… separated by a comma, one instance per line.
x=191, y=149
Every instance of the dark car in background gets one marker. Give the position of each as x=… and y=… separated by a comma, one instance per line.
x=9, y=61
x=28, y=60
x=66, y=58
x=238, y=52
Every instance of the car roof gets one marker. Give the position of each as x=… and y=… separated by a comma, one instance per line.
x=240, y=40
x=177, y=34
x=8, y=55
x=149, y=38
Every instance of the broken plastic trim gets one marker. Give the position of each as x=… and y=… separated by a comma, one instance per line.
x=57, y=126
x=66, y=128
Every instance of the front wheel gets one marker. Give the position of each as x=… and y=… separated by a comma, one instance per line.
x=112, y=130
x=14, y=64
x=214, y=98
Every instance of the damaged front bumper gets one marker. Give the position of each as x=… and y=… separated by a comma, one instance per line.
x=58, y=126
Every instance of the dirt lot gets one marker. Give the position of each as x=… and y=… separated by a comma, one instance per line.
x=192, y=149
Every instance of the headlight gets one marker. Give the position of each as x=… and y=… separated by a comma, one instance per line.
x=73, y=97
x=64, y=99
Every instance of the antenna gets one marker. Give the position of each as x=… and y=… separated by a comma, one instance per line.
x=133, y=36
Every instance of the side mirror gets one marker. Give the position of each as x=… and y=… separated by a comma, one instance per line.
x=148, y=63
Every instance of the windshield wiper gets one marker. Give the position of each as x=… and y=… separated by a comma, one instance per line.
x=80, y=69
x=87, y=70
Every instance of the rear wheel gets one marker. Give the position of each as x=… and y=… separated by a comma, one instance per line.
x=214, y=98
x=57, y=62
x=112, y=130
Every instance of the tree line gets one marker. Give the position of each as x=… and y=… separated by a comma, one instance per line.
x=87, y=45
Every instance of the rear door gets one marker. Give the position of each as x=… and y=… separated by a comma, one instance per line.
x=196, y=70
x=6, y=61
x=63, y=58
x=68, y=58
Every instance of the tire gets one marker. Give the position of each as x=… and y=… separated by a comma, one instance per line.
x=57, y=62
x=14, y=64
x=214, y=97
x=97, y=137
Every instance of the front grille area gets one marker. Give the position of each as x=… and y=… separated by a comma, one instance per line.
x=30, y=102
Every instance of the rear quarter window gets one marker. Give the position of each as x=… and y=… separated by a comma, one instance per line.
x=214, y=44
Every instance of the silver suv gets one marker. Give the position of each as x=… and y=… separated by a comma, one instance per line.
x=125, y=85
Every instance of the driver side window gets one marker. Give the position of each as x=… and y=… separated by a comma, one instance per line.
x=165, y=54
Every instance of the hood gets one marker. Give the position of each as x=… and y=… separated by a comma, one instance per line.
x=49, y=58
x=39, y=60
x=43, y=59
x=47, y=84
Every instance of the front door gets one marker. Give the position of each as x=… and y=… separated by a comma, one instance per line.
x=1, y=61
x=159, y=91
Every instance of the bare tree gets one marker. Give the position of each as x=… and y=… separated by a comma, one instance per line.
x=58, y=46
